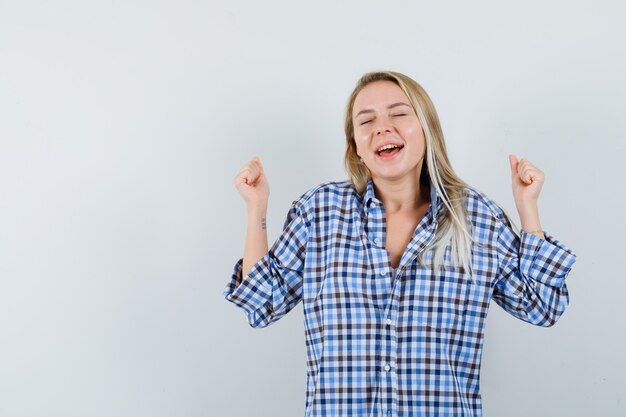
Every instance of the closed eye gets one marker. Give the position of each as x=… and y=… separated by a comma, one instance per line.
x=367, y=121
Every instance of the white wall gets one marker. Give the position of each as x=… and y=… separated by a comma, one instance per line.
x=122, y=124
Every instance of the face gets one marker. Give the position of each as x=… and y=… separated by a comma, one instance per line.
x=382, y=115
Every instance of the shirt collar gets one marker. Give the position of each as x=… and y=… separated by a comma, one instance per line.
x=369, y=197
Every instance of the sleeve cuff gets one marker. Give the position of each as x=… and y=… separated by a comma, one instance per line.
x=251, y=292
x=547, y=261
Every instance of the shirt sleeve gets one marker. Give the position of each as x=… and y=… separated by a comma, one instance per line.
x=531, y=280
x=274, y=284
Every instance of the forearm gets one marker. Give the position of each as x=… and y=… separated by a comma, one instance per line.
x=529, y=218
x=256, y=245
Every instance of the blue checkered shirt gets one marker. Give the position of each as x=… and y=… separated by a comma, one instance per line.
x=403, y=343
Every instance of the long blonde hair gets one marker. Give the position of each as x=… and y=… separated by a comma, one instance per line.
x=454, y=225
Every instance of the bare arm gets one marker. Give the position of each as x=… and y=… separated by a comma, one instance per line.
x=256, y=245
x=529, y=218
x=527, y=183
x=253, y=186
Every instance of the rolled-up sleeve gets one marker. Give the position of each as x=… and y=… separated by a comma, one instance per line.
x=274, y=284
x=532, y=271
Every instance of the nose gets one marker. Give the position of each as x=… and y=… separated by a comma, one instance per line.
x=382, y=126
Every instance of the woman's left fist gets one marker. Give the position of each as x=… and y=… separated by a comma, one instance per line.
x=527, y=182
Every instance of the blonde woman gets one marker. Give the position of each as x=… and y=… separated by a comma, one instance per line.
x=397, y=266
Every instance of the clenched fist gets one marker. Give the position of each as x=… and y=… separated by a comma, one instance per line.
x=252, y=184
x=527, y=182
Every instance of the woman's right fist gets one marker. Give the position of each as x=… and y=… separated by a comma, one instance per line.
x=252, y=184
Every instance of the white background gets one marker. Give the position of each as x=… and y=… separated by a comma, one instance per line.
x=123, y=123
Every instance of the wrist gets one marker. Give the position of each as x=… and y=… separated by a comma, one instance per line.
x=257, y=209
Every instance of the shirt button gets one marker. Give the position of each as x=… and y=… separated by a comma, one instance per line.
x=377, y=241
x=389, y=321
x=387, y=367
x=382, y=272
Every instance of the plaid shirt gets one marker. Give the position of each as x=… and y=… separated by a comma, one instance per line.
x=396, y=344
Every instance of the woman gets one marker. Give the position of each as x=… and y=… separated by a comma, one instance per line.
x=396, y=267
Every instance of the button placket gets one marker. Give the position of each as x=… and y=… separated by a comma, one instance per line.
x=389, y=377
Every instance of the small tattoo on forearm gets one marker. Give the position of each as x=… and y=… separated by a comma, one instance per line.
x=263, y=225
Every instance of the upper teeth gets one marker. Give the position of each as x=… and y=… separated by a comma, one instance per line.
x=390, y=146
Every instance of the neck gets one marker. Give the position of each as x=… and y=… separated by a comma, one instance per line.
x=401, y=195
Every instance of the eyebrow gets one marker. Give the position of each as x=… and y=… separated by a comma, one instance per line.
x=389, y=107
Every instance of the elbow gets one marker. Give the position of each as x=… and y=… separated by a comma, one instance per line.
x=550, y=308
x=261, y=317
x=550, y=317
x=548, y=321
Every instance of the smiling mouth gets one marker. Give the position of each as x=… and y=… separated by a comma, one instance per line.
x=390, y=151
